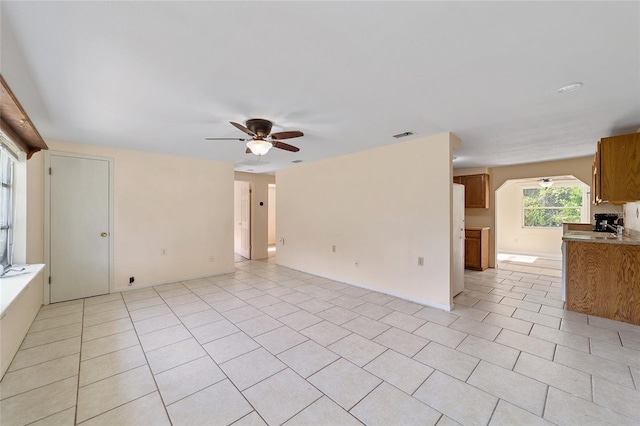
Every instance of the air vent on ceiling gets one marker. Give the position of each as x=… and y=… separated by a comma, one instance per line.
x=297, y=161
x=402, y=135
x=252, y=163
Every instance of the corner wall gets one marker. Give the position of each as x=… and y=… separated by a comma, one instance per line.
x=382, y=208
x=184, y=205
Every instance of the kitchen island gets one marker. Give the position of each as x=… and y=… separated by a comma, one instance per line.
x=602, y=275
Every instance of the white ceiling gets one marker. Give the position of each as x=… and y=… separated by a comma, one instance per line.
x=162, y=76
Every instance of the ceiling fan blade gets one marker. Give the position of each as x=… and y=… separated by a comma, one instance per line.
x=285, y=146
x=248, y=151
x=226, y=139
x=242, y=128
x=287, y=135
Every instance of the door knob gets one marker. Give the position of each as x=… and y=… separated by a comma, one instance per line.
x=103, y=234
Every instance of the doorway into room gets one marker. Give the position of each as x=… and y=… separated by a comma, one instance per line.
x=529, y=217
x=242, y=220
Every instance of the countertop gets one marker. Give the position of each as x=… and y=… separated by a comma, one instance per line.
x=476, y=228
x=599, y=237
x=12, y=285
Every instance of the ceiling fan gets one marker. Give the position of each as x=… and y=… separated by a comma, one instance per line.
x=262, y=140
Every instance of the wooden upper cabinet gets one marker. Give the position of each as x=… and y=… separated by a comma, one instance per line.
x=617, y=180
x=476, y=190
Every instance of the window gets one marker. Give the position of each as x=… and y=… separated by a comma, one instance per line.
x=6, y=206
x=550, y=207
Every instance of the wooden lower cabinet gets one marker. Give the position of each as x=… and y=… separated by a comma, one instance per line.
x=603, y=280
x=476, y=248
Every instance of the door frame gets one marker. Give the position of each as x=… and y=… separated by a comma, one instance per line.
x=47, y=215
x=249, y=184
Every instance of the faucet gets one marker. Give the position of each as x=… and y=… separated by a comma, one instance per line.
x=616, y=228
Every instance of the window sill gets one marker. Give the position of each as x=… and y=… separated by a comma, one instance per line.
x=12, y=287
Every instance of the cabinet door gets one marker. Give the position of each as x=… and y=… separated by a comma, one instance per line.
x=476, y=193
x=472, y=256
x=458, y=179
x=620, y=168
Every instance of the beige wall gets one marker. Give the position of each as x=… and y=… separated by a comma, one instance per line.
x=383, y=207
x=259, y=214
x=184, y=205
x=632, y=218
x=35, y=208
x=577, y=167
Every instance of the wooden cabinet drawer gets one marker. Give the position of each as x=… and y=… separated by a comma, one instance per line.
x=468, y=233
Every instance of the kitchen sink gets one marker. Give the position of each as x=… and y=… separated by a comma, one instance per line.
x=592, y=236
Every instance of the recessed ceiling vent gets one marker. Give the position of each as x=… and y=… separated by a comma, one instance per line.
x=251, y=163
x=297, y=161
x=402, y=135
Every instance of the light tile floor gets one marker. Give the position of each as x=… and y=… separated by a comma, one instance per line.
x=530, y=264
x=268, y=344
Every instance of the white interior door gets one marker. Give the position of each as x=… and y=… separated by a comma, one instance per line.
x=457, y=240
x=79, y=240
x=242, y=214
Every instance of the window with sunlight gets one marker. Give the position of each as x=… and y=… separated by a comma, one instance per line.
x=550, y=207
x=6, y=207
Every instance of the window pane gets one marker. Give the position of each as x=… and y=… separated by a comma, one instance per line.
x=4, y=259
x=551, y=217
x=563, y=196
x=6, y=206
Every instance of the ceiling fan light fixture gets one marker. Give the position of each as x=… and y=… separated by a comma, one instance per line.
x=259, y=147
x=546, y=182
x=571, y=87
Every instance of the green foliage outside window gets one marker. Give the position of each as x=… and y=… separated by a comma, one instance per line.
x=550, y=207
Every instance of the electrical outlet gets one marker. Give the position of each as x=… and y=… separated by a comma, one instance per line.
x=333, y=248
x=421, y=261
x=211, y=258
x=163, y=251
x=357, y=263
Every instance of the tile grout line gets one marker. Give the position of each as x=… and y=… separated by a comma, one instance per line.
x=226, y=377
x=75, y=414
x=157, y=389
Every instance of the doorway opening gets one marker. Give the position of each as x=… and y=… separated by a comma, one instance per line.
x=241, y=220
x=271, y=220
x=529, y=217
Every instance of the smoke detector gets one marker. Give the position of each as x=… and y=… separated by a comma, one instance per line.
x=572, y=87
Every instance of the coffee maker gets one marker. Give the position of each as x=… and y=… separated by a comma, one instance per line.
x=604, y=220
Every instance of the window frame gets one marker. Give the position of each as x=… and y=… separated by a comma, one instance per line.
x=8, y=182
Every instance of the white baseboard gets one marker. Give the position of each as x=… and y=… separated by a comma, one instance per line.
x=147, y=285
